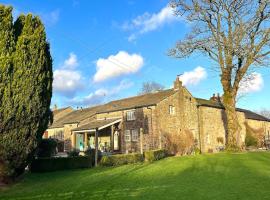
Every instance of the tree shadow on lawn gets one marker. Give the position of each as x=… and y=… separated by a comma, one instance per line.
x=219, y=176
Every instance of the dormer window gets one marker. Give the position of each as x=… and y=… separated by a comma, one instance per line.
x=131, y=115
x=171, y=110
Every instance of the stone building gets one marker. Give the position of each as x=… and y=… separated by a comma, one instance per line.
x=139, y=123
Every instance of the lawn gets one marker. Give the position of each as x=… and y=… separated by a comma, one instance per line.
x=216, y=176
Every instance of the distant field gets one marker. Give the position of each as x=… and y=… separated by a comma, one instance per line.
x=216, y=176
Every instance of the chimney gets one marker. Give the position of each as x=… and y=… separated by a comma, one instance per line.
x=55, y=107
x=216, y=98
x=177, y=83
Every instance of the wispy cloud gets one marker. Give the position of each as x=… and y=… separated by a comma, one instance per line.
x=99, y=96
x=50, y=18
x=193, y=77
x=116, y=65
x=149, y=22
x=251, y=83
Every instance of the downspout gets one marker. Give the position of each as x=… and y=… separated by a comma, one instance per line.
x=151, y=123
x=199, y=127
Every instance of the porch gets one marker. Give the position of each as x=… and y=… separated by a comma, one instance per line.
x=105, y=132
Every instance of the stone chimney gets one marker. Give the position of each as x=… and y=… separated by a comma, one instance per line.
x=177, y=83
x=216, y=98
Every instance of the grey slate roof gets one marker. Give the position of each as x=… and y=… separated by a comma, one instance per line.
x=128, y=103
x=248, y=114
x=138, y=101
x=95, y=124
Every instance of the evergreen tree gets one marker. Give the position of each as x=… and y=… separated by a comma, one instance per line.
x=26, y=99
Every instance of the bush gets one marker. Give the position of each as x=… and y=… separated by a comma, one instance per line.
x=91, y=153
x=154, y=155
x=181, y=143
x=250, y=140
x=73, y=153
x=46, y=148
x=121, y=159
x=60, y=163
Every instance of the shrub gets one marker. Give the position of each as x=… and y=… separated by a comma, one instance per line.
x=47, y=148
x=254, y=137
x=60, y=163
x=250, y=140
x=154, y=155
x=121, y=159
x=73, y=153
x=91, y=153
x=181, y=143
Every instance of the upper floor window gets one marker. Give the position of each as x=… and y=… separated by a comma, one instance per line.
x=135, y=135
x=127, y=136
x=131, y=115
x=171, y=110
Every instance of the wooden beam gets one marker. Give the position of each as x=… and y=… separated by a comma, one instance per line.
x=96, y=147
x=85, y=141
x=112, y=137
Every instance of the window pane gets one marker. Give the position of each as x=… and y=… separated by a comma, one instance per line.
x=127, y=135
x=131, y=115
x=135, y=135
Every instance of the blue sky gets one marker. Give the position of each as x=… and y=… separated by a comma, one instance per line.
x=104, y=50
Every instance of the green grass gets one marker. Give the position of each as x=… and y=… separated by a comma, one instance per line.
x=216, y=176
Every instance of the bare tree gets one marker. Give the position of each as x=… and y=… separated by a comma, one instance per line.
x=235, y=35
x=149, y=87
x=265, y=112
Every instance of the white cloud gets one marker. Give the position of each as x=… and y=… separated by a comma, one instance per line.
x=116, y=65
x=251, y=83
x=193, y=77
x=149, y=22
x=99, y=95
x=71, y=62
x=67, y=80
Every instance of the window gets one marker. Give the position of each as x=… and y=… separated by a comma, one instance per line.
x=135, y=135
x=171, y=110
x=131, y=115
x=127, y=136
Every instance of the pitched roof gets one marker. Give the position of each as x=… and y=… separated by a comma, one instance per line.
x=100, y=124
x=75, y=116
x=137, y=101
x=128, y=103
x=214, y=104
x=57, y=111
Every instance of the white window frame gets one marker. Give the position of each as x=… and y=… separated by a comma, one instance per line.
x=131, y=115
x=127, y=135
x=135, y=135
x=171, y=110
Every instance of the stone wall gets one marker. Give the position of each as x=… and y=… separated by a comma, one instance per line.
x=213, y=128
x=69, y=138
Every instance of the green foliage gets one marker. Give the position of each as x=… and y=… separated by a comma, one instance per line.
x=91, y=153
x=250, y=140
x=47, y=148
x=56, y=164
x=73, y=153
x=154, y=155
x=121, y=159
x=241, y=176
x=25, y=90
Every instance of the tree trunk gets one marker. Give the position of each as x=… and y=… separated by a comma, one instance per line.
x=233, y=126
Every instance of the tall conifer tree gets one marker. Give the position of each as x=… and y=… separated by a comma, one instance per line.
x=26, y=98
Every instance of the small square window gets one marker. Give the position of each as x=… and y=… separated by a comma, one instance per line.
x=127, y=136
x=131, y=115
x=135, y=135
x=171, y=110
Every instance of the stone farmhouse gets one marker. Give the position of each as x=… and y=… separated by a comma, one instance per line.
x=139, y=123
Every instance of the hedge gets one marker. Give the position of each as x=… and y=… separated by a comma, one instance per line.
x=154, y=155
x=62, y=163
x=121, y=159
x=47, y=148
